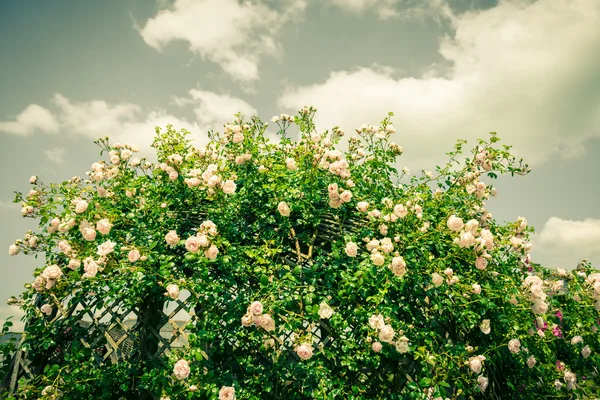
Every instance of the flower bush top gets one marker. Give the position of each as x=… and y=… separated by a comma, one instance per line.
x=315, y=272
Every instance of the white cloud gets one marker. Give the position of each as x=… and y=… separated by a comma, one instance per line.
x=213, y=110
x=386, y=9
x=31, y=119
x=523, y=69
x=564, y=243
x=126, y=122
x=56, y=155
x=232, y=34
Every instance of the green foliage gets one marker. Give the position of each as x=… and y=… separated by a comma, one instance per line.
x=326, y=241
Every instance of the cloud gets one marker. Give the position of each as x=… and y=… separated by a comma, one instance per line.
x=232, y=34
x=56, y=155
x=213, y=110
x=31, y=119
x=127, y=122
x=512, y=71
x=387, y=9
x=564, y=243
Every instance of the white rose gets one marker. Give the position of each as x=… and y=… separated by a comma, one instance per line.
x=173, y=291
x=455, y=223
x=133, y=255
x=325, y=312
x=283, y=209
x=81, y=206
x=229, y=187
x=46, y=309
x=13, y=250
x=386, y=334
x=437, y=279
x=304, y=351
x=103, y=226
x=181, y=370
x=106, y=248
x=351, y=249
x=376, y=321
x=171, y=238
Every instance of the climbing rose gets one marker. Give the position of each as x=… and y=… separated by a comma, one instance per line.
x=455, y=224
x=377, y=346
x=256, y=308
x=531, y=361
x=81, y=206
x=133, y=255
x=103, y=226
x=351, y=249
x=13, y=250
x=325, y=312
x=283, y=209
x=173, y=291
x=482, y=383
x=106, y=248
x=304, y=351
x=386, y=334
x=171, y=238
x=514, y=345
x=181, y=369
x=227, y=393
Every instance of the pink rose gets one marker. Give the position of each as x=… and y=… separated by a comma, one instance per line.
x=466, y=239
x=377, y=346
x=266, y=322
x=351, y=249
x=89, y=234
x=171, y=238
x=33, y=179
x=531, y=361
x=362, y=206
x=52, y=272
x=227, y=393
x=481, y=263
x=74, y=264
x=290, y=163
x=192, y=245
x=203, y=240
x=106, y=248
x=256, y=308
x=181, y=370
x=133, y=255
x=346, y=196
x=398, y=266
x=212, y=252
x=304, y=351
x=229, y=187
x=476, y=288
x=386, y=334
x=238, y=137
x=90, y=268
x=455, y=223
x=81, y=206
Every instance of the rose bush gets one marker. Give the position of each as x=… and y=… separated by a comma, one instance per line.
x=316, y=273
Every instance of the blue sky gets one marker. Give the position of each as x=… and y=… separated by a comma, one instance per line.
x=74, y=71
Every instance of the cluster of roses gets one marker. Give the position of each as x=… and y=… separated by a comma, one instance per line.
x=255, y=316
x=181, y=371
x=386, y=334
x=338, y=195
x=537, y=295
x=469, y=236
x=201, y=240
x=210, y=179
x=475, y=363
x=514, y=346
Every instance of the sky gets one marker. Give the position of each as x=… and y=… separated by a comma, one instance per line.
x=72, y=71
